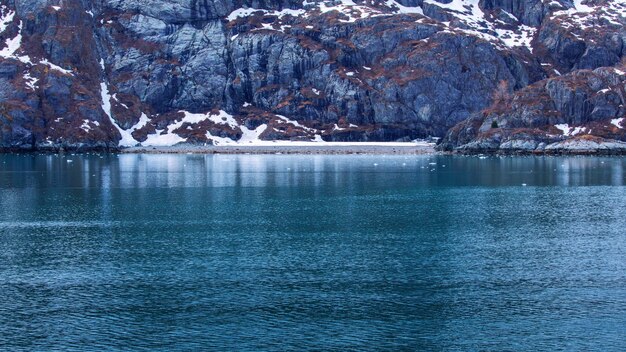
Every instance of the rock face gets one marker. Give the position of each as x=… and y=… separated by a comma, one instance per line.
x=87, y=74
x=551, y=115
x=580, y=109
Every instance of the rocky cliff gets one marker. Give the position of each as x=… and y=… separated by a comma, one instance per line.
x=582, y=111
x=578, y=109
x=87, y=74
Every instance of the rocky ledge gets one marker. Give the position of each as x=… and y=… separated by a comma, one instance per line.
x=109, y=74
x=580, y=112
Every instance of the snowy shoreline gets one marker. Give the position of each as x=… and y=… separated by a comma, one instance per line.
x=292, y=147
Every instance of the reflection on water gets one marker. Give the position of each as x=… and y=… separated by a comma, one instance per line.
x=226, y=252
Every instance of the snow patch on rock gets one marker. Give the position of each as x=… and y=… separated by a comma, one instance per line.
x=127, y=138
x=617, y=122
x=569, y=131
x=12, y=44
x=6, y=17
x=242, y=13
x=55, y=67
x=349, y=8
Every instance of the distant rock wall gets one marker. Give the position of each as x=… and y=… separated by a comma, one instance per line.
x=84, y=74
x=583, y=109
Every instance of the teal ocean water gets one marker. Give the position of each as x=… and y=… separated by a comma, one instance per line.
x=333, y=253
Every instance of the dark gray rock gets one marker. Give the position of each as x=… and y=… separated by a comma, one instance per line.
x=585, y=103
x=378, y=73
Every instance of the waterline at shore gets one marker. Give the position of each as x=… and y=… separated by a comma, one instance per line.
x=285, y=147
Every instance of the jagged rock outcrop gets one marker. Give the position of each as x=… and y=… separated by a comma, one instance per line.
x=581, y=111
x=86, y=74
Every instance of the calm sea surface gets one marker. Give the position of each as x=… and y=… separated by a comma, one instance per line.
x=247, y=253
